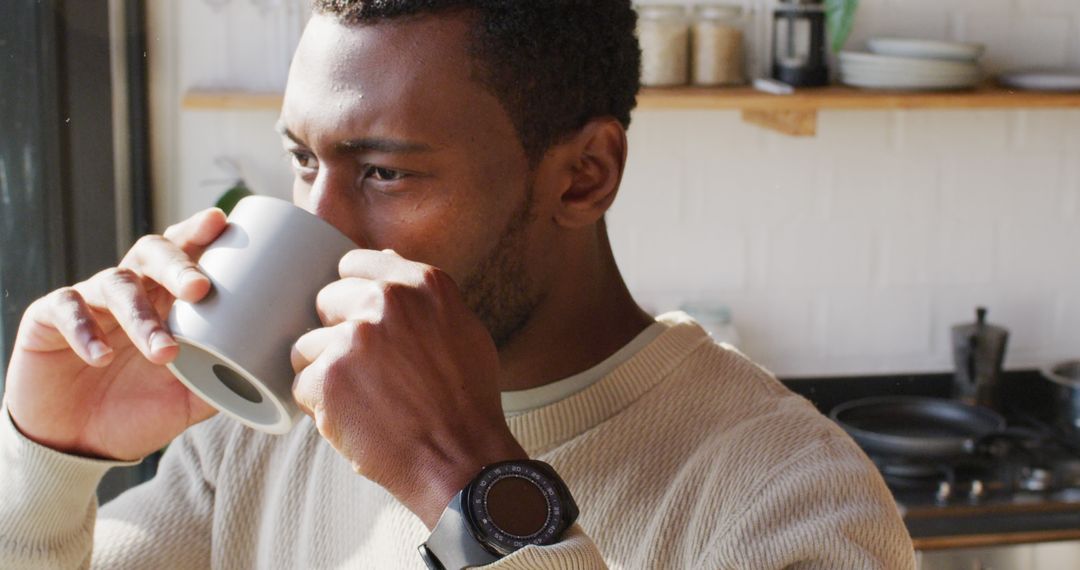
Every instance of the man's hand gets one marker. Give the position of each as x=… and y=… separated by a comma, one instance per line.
x=403, y=380
x=87, y=372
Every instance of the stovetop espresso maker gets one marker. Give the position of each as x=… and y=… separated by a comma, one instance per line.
x=978, y=354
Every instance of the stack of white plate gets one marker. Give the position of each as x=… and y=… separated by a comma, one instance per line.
x=895, y=63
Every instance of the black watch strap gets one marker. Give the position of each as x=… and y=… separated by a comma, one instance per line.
x=451, y=538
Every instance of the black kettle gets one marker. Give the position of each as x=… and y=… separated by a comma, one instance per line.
x=978, y=354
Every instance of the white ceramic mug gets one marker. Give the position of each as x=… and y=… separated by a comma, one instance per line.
x=267, y=268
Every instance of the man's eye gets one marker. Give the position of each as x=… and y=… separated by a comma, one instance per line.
x=304, y=160
x=383, y=174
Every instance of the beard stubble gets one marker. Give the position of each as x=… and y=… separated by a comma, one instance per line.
x=499, y=290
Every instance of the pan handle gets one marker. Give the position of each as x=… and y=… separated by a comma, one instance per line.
x=982, y=444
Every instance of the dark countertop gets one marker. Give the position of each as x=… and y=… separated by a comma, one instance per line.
x=1018, y=518
x=1024, y=387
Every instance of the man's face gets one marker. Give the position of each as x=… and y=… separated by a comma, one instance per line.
x=398, y=146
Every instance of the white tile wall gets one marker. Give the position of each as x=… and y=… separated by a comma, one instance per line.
x=874, y=237
x=867, y=242
x=247, y=139
x=239, y=44
x=850, y=252
x=1020, y=40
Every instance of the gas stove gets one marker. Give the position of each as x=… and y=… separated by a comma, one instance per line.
x=1019, y=486
x=1026, y=461
x=1025, y=480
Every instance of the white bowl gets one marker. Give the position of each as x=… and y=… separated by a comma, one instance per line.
x=871, y=81
x=925, y=49
x=862, y=69
x=905, y=63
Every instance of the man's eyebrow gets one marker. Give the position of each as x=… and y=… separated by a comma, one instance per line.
x=284, y=131
x=383, y=145
x=371, y=143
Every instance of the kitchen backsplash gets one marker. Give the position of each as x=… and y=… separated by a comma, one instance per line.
x=850, y=252
x=855, y=251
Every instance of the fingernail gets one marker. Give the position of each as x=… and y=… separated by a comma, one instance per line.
x=98, y=349
x=189, y=275
x=160, y=341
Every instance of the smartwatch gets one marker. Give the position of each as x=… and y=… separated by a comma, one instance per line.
x=507, y=506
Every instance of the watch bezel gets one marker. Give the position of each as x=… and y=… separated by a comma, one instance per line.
x=561, y=510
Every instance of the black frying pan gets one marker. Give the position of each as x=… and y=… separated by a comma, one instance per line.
x=915, y=427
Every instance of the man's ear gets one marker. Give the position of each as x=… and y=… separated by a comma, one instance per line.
x=592, y=160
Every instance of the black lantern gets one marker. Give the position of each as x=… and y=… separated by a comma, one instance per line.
x=799, y=56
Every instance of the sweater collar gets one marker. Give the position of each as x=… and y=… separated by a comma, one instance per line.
x=545, y=428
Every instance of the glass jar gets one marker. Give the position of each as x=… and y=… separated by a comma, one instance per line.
x=719, y=53
x=664, y=35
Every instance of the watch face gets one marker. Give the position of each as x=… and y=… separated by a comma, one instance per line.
x=516, y=506
x=513, y=505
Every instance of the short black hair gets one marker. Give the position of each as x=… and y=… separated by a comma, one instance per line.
x=553, y=64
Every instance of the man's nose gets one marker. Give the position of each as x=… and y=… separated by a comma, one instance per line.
x=329, y=199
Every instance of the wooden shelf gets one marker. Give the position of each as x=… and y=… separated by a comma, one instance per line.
x=204, y=100
x=794, y=114
x=837, y=97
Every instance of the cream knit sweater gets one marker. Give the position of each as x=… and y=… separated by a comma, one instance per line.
x=685, y=456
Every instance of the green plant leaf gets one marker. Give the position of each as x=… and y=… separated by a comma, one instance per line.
x=839, y=19
x=228, y=200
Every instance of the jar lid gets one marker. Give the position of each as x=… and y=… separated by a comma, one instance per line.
x=718, y=11
x=654, y=11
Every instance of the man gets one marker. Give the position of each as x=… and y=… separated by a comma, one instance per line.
x=471, y=150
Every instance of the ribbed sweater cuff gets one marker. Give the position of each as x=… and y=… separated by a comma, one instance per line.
x=46, y=493
x=576, y=551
